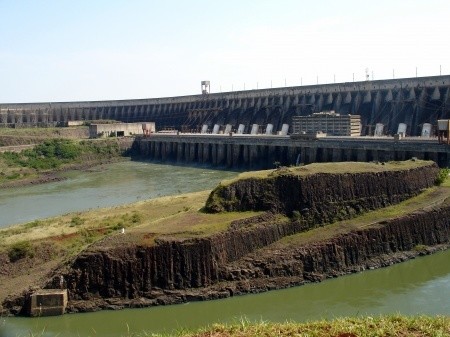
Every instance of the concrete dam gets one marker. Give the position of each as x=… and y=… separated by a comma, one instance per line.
x=412, y=101
x=265, y=152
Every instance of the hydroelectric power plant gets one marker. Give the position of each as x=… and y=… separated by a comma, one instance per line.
x=258, y=121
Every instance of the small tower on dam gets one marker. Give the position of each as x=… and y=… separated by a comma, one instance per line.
x=205, y=88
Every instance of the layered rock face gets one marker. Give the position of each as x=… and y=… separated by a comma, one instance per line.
x=221, y=260
x=323, y=197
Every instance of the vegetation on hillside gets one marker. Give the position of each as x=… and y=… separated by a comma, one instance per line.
x=53, y=154
x=442, y=176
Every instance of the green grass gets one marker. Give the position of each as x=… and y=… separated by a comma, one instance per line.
x=52, y=154
x=330, y=168
x=382, y=326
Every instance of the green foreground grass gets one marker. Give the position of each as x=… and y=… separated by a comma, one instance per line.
x=395, y=325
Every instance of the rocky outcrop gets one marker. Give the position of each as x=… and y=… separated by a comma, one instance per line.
x=243, y=260
x=350, y=252
x=322, y=197
x=248, y=257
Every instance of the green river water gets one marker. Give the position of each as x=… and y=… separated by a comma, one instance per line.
x=420, y=286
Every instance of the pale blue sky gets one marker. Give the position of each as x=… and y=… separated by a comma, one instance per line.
x=95, y=50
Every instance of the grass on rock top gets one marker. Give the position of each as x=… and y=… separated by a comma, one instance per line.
x=331, y=168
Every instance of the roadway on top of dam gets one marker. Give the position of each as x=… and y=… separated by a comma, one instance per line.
x=431, y=143
x=328, y=88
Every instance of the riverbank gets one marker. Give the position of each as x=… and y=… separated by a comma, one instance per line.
x=47, y=161
x=395, y=325
x=29, y=136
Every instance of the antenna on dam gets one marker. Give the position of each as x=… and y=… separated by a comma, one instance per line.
x=205, y=87
x=367, y=74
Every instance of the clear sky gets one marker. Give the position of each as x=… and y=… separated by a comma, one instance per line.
x=68, y=50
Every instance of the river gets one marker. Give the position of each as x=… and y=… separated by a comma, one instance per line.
x=104, y=186
x=420, y=286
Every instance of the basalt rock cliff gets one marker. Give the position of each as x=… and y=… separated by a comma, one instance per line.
x=322, y=197
x=249, y=256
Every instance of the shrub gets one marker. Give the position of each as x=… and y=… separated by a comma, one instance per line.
x=442, y=176
x=296, y=215
x=20, y=250
x=76, y=221
x=136, y=218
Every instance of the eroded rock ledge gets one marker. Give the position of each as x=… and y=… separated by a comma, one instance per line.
x=208, y=264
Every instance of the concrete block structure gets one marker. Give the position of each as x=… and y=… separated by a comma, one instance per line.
x=120, y=129
x=331, y=123
x=48, y=302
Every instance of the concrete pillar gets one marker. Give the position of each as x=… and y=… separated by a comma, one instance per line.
x=152, y=150
x=164, y=145
x=348, y=154
x=236, y=156
x=246, y=155
x=187, y=152
x=221, y=154
x=158, y=150
x=143, y=148
x=337, y=155
x=253, y=155
x=180, y=152
x=199, y=152
x=192, y=151
x=214, y=154
x=362, y=155
x=206, y=153
x=292, y=154
x=304, y=156
x=388, y=156
x=229, y=158
x=375, y=156
x=271, y=156
x=312, y=154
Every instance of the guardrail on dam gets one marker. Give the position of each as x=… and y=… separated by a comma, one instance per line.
x=412, y=101
x=262, y=152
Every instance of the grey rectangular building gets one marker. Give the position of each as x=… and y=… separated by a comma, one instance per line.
x=331, y=123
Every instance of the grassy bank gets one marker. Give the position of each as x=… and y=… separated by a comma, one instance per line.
x=52, y=155
x=396, y=325
x=22, y=136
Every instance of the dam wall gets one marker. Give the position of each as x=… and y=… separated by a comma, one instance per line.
x=412, y=101
x=251, y=152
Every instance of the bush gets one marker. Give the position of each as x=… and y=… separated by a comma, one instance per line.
x=442, y=176
x=76, y=221
x=20, y=250
x=296, y=215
